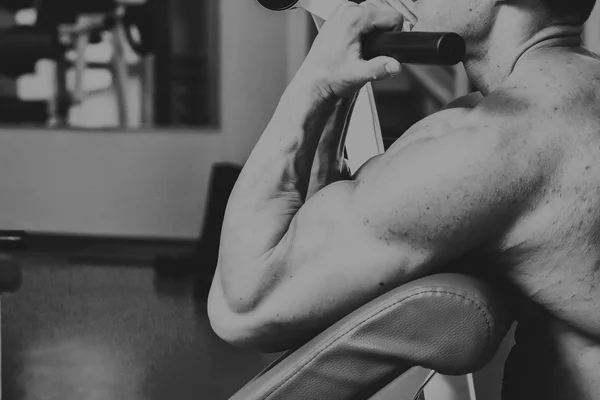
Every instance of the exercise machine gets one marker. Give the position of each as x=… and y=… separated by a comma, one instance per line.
x=62, y=31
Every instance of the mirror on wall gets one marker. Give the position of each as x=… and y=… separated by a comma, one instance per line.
x=103, y=64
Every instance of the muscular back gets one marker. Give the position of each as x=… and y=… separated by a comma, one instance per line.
x=550, y=258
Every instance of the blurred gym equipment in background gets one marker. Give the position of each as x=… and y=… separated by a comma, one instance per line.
x=105, y=64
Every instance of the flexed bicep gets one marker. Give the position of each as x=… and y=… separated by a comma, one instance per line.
x=412, y=213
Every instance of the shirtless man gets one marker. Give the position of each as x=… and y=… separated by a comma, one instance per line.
x=504, y=184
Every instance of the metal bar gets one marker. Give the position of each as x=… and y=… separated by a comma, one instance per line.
x=320, y=8
x=430, y=82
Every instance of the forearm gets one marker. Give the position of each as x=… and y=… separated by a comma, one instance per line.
x=328, y=165
x=273, y=185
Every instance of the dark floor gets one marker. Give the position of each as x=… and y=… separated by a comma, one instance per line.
x=80, y=329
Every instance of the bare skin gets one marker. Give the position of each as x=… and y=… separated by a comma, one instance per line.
x=551, y=257
x=505, y=185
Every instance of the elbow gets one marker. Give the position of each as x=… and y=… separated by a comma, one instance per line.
x=248, y=339
x=248, y=336
x=240, y=332
x=226, y=322
x=244, y=317
x=233, y=335
x=243, y=328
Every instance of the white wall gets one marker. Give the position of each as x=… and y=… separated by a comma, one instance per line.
x=144, y=183
x=591, y=35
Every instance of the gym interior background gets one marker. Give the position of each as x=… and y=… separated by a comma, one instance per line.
x=113, y=118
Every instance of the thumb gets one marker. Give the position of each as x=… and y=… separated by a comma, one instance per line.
x=382, y=68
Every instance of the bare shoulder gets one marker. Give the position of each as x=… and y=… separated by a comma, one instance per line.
x=501, y=114
x=531, y=111
x=557, y=98
x=560, y=83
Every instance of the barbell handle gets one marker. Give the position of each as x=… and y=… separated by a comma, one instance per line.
x=432, y=48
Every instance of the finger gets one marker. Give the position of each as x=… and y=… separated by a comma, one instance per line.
x=383, y=20
x=380, y=68
x=394, y=5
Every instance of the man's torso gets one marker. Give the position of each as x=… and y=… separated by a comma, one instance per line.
x=550, y=257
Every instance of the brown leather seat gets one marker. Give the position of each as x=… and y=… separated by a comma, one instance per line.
x=449, y=323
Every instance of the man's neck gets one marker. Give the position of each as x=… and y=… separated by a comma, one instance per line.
x=491, y=66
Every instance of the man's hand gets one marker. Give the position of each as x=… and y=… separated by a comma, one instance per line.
x=335, y=64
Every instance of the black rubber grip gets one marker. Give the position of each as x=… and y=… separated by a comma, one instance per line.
x=431, y=48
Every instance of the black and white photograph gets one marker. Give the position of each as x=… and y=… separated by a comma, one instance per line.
x=299, y=200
